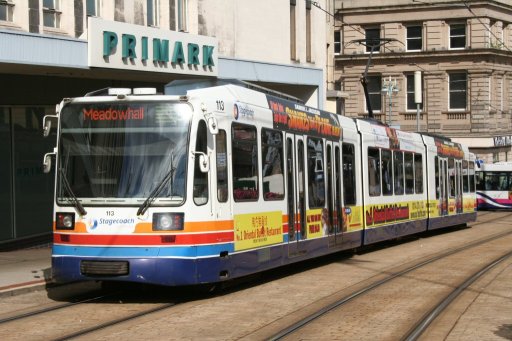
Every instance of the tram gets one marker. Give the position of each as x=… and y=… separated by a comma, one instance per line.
x=494, y=185
x=226, y=181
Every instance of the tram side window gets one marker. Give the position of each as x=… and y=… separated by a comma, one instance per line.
x=398, y=172
x=465, y=177
x=418, y=173
x=374, y=171
x=272, y=165
x=222, y=166
x=387, y=172
x=316, y=177
x=245, y=162
x=451, y=174
x=200, y=178
x=436, y=166
x=349, y=176
x=409, y=173
x=471, y=176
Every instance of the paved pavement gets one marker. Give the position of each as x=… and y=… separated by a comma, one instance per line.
x=24, y=270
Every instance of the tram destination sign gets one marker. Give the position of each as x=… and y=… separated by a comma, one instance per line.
x=118, y=45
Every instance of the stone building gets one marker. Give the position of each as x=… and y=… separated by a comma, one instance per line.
x=52, y=49
x=463, y=50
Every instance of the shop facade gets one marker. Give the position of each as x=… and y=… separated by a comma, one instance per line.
x=38, y=70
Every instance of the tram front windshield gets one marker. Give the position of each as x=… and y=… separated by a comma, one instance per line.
x=115, y=153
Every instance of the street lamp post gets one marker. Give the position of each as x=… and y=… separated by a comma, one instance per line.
x=389, y=87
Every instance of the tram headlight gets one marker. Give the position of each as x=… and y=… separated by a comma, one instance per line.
x=64, y=221
x=167, y=221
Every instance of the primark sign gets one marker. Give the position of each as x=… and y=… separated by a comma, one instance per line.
x=118, y=45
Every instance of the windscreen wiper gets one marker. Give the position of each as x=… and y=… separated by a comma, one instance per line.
x=74, y=200
x=145, y=205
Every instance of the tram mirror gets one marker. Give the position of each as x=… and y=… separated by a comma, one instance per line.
x=47, y=162
x=47, y=127
x=47, y=124
x=213, y=127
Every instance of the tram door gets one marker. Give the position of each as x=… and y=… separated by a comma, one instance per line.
x=443, y=186
x=296, y=199
x=458, y=182
x=334, y=199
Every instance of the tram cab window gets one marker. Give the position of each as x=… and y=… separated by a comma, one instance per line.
x=201, y=178
x=245, y=162
x=398, y=172
x=418, y=173
x=387, y=172
x=497, y=181
x=316, y=174
x=349, y=176
x=465, y=177
x=409, y=173
x=222, y=166
x=374, y=172
x=272, y=164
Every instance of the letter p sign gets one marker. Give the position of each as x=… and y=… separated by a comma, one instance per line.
x=109, y=43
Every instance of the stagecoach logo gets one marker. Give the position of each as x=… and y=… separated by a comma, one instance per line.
x=92, y=224
x=243, y=111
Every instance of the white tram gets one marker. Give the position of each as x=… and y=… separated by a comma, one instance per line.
x=226, y=181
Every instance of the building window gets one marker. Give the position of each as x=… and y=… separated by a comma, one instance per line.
x=337, y=42
x=457, y=36
x=6, y=9
x=93, y=8
x=458, y=91
x=372, y=39
x=152, y=12
x=308, y=32
x=374, y=92
x=293, y=32
x=51, y=13
x=414, y=38
x=182, y=15
x=411, y=105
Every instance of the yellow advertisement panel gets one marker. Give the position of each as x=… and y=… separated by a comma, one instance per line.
x=469, y=205
x=383, y=214
x=434, y=209
x=315, y=224
x=258, y=229
x=352, y=218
